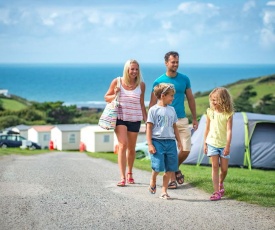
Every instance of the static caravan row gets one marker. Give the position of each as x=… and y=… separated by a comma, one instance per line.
x=71, y=136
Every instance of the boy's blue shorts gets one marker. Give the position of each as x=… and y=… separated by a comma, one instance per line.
x=166, y=156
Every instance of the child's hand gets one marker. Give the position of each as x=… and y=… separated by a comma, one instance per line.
x=205, y=149
x=226, y=151
x=152, y=149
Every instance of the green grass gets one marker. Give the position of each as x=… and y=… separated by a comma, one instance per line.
x=13, y=105
x=19, y=151
x=254, y=187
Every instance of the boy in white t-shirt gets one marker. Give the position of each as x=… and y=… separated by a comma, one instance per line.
x=162, y=134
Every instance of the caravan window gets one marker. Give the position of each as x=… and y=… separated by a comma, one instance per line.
x=106, y=138
x=46, y=137
x=72, y=138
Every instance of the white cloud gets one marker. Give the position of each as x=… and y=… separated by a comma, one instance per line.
x=270, y=3
x=93, y=17
x=4, y=17
x=249, y=5
x=194, y=7
x=267, y=38
x=166, y=25
x=49, y=21
x=268, y=30
x=176, y=39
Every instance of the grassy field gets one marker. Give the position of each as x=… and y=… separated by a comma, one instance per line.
x=12, y=105
x=255, y=186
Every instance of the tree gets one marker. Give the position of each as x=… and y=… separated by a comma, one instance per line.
x=1, y=105
x=57, y=113
x=62, y=114
x=242, y=103
x=266, y=105
x=9, y=121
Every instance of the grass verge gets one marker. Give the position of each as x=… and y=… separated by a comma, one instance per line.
x=19, y=151
x=254, y=187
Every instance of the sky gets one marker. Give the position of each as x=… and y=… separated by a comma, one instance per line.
x=113, y=31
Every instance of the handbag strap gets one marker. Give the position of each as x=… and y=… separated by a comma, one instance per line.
x=118, y=82
x=118, y=85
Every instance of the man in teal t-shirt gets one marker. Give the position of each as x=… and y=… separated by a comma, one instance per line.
x=183, y=88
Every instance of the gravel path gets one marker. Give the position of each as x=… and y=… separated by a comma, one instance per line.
x=73, y=191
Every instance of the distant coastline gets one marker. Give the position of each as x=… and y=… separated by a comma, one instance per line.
x=85, y=85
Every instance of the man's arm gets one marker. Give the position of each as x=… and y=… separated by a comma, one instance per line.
x=192, y=107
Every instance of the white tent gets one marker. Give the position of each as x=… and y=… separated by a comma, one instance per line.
x=252, y=146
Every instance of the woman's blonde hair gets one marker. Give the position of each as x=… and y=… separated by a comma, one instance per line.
x=224, y=99
x=163, y=88
x=126, y=77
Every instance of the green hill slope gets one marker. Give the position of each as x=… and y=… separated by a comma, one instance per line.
x=261, y=85
x=12, y=104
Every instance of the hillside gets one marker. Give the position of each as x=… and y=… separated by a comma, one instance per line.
x=12, y=104
x=261, y=85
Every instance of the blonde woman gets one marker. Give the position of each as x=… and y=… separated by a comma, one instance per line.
x=130, y=114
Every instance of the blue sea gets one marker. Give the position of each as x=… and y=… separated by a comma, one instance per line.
x=86, y=84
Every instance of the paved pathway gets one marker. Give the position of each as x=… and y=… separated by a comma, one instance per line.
x=73, y=191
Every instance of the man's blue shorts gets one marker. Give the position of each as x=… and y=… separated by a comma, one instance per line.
x=166, y=156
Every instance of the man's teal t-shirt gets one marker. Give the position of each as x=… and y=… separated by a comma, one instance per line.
x=181, y=83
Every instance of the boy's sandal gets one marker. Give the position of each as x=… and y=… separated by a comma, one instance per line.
x=152, y=190
x=215, y=196
x=165, y=196
x=221, y=189
x=172, y=185
x=179, y=177
x=121, y=183
x=130, y=180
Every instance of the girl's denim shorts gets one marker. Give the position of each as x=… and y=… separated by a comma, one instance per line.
x=213, y=151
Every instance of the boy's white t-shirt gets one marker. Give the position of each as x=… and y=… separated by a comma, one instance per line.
x=163, y=118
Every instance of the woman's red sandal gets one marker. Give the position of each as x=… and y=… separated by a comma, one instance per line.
x=130, y=180
x=121, y=183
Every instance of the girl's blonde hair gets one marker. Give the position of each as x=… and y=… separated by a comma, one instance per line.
x=224, y=99
x=126, y=77
x=163, y=88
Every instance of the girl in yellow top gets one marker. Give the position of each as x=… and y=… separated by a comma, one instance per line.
x=218, y=135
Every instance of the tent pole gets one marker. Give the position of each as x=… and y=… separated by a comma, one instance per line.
x=247, y=156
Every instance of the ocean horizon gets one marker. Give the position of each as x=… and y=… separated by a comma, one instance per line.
x=85, y=85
